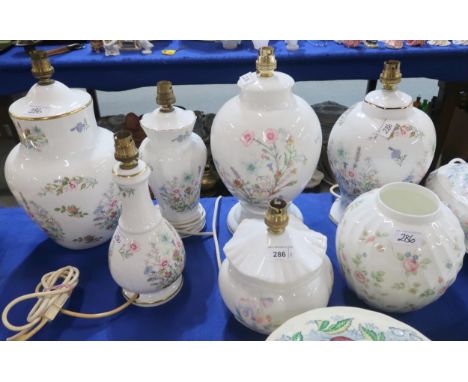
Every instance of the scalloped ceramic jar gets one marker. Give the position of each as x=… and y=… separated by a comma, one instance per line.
x=450, y=183
x=399, y=247
x=60, y=172
x=268, y=278
x=380, y=140
x=265, y=143
x=177, y=158
x=146, y=254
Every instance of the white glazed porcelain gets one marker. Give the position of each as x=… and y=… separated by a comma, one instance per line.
x=177, y=158
x=380, y=140
x=60, y=173
x=146, y=254
x=450, y=183
x=267, y=278
x=265, y=143
x=344, y=323
x=399, y=247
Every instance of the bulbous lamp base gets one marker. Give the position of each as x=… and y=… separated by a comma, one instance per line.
x=148, y=300
x=240, y=212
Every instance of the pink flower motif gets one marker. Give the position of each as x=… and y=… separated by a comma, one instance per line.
x=164, y=263
x=361, y=277
x=370, y=239
x=270, y=136
x=259, y=320
x=351, y=174
x=72, y=184
x=403, y=131
x=441, y=280
x=410, y=265
x=134, y=247
x=167, y=274
x=247, y=138
x=113, y=204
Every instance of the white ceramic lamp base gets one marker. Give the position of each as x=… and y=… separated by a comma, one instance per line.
x=148, y=300
x=238, y=213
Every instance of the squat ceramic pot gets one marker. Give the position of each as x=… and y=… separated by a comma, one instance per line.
x=399, y=247
x=450, y=183
x=146, y=254
x=380, y=140
x=265, y=142
x=60, y=173
x=177, y=158
x=274, y=270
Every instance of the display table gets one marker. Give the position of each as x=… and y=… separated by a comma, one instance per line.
x=206, y=62
x=197, y=312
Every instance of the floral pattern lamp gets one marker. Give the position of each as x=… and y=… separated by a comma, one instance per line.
x=177, y=158
x=60, y=172
x=380, y=140
x=265, y=142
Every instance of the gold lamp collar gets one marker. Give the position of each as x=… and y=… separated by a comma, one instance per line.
x=41, y=67
x=125, y=150
x=391, y=75
x=276, y=217
x=266, y=61
x=165, y=96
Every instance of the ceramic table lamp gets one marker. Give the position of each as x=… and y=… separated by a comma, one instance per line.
x=274, y=270
x=265, y=142
x=60, y=172
x=380, y=140
x=177, y=158
x=146, y=254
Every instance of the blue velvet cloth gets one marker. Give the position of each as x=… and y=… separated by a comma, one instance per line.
x=203, y=62
x=197, y=312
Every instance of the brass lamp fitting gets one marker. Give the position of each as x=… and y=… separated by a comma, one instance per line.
x=391, y=75
x=266, y=61
x=125, y=150
x=276, y=217
x=41, y=68
x=165, y=96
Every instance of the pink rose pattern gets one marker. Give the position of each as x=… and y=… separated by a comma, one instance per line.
x=129, y=248
x=253, y=313
x=165, y=261
x=271, y=174
x=67, y=184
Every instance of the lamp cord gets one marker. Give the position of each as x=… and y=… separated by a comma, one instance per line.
x=56, y=287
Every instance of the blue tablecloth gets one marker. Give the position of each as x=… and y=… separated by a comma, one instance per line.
x=197, y=312
x=203, y=62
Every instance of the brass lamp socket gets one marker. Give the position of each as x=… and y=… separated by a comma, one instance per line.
x=165, y=96
x=41, y=67
x=276, y=217
x=266, y=61
x=126, y=151
x=391, y=75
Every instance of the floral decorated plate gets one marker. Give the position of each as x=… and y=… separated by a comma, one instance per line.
x=341, y=323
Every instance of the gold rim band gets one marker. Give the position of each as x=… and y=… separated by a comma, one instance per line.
x=22, y=118
x=130, y=176
x=389, y=108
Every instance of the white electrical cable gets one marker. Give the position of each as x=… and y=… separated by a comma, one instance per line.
x=215, y=232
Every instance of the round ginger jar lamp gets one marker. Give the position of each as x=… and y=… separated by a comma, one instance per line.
x=274, y=270
x=265, y=142
x=60, y=172
x=177, y=158
x=379, y=140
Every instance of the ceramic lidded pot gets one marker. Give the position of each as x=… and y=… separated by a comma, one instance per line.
x=274, y=270
x=380, y=140
x=146, y=254
x=450, y=183
x=399, y=247
x=265, y=142
x=60, y=172
x=177, y=158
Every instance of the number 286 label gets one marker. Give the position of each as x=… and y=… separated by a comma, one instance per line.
x=280, y=253
x=407, y=237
